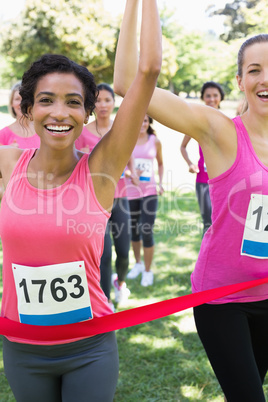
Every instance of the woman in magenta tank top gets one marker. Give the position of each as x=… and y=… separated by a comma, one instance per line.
x=212, y=94
x=53, y=218
x=233, y=329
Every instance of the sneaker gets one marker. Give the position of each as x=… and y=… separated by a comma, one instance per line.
x=136, y=270
x=121, y=293
x=147, y=278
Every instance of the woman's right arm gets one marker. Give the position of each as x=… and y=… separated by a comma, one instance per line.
x=196, y=120
x=111, y=155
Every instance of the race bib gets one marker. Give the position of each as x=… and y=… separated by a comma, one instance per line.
x=255, y=238
x=146, y=168
x=52, y=294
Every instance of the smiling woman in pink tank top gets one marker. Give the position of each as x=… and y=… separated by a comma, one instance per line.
x=53, y=218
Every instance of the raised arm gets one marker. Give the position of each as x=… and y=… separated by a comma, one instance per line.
x=193, y=119
x=213, y=130
x=113, y=152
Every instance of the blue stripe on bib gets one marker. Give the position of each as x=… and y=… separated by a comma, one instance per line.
x=254, y=248
x=69, y=317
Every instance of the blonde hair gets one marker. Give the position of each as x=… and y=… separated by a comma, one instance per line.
x=15, y=88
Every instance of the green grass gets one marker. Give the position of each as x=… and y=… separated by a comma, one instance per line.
x=163, y=360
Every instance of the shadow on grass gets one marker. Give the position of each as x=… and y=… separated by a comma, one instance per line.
x=169, y=365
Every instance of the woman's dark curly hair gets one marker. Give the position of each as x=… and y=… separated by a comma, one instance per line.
x=55, y=63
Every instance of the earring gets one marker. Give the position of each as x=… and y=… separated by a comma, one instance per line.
x=30, y=118
x=86, y=120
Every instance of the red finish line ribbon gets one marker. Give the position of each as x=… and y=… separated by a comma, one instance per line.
x=122, y=319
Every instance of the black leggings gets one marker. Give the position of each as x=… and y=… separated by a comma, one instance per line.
x=203, y=197
x=119, y=226
x=143, y=214
x=235, y=338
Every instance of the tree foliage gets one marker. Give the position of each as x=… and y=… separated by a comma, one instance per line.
x=79, y=29
x=243, y=18
x=257, y=18
x=83, y=31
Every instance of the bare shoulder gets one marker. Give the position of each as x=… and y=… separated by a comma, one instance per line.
x=224, y=127
x=9, y=153
x=9, y=156
x=158, y=144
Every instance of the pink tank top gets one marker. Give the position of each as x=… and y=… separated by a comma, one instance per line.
x=87, y=139
x=90, y=140
x=235, y=247
x=41, y=228
x=144, y=156
x=7, y=137
x=202, y=176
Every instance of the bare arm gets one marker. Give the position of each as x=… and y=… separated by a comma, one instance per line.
x=198, y=121
x=192, y=167
x=110, y=156
x=159, y=158
x=131, y=172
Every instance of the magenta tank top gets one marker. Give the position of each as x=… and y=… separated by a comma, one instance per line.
x=7, y=137
x=202, y=176
x=43, y=228
x=235, y=247
x=144, y=156
x=90, y=140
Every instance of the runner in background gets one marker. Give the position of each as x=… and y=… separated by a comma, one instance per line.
x=143, y=200
x=119, y=222
x=21, y=132
x=212, y=94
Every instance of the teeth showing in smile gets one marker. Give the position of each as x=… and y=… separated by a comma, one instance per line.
x=263, y=94
x=59, y=129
